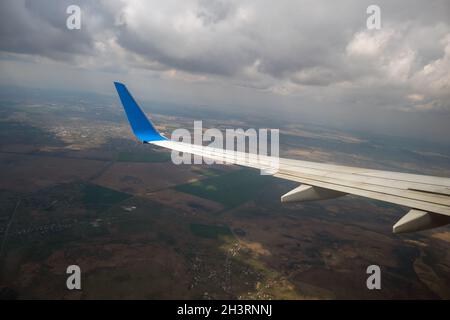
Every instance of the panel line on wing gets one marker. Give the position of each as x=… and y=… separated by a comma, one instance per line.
x=411, y=203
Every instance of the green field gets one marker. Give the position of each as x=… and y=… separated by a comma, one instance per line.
x=98, y=197
x=143, y=157
x=209, y=231
x=16, y=132
x=230, y=189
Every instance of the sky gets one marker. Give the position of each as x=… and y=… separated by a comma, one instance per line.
x=304, y=61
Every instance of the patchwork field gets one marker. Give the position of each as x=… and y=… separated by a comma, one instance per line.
x=231, y=189
x=85, y=192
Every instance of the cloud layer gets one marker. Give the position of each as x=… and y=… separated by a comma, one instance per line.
x=318, y=51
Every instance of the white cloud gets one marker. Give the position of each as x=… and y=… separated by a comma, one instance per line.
x=369, y=44
x=310, y=55
x=415, y=97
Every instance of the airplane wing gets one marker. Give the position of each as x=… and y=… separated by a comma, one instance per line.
x=427, y=196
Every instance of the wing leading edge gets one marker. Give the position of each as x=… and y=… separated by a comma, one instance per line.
x=427, y=196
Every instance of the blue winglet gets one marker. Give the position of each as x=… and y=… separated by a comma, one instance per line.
x=142, y=128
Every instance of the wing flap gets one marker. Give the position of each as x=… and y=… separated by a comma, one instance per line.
x=397, y=180
x=407, y=202
x=391, y=175
x=385, y=188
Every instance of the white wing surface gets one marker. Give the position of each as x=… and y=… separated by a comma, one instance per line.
x=427, y=196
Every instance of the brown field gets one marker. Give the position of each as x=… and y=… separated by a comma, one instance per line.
x=25, y=173
x=186, y=203
x=157, y=242
x=142, y=178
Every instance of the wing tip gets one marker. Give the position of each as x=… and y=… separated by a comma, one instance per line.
x=141, y=126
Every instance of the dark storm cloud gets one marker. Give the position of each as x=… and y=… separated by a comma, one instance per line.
x=224, y=37
x=39, y=27
x=211, y=60
x=281, y=39
x=214, y=11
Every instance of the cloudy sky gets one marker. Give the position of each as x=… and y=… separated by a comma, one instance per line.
x=312, y=61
